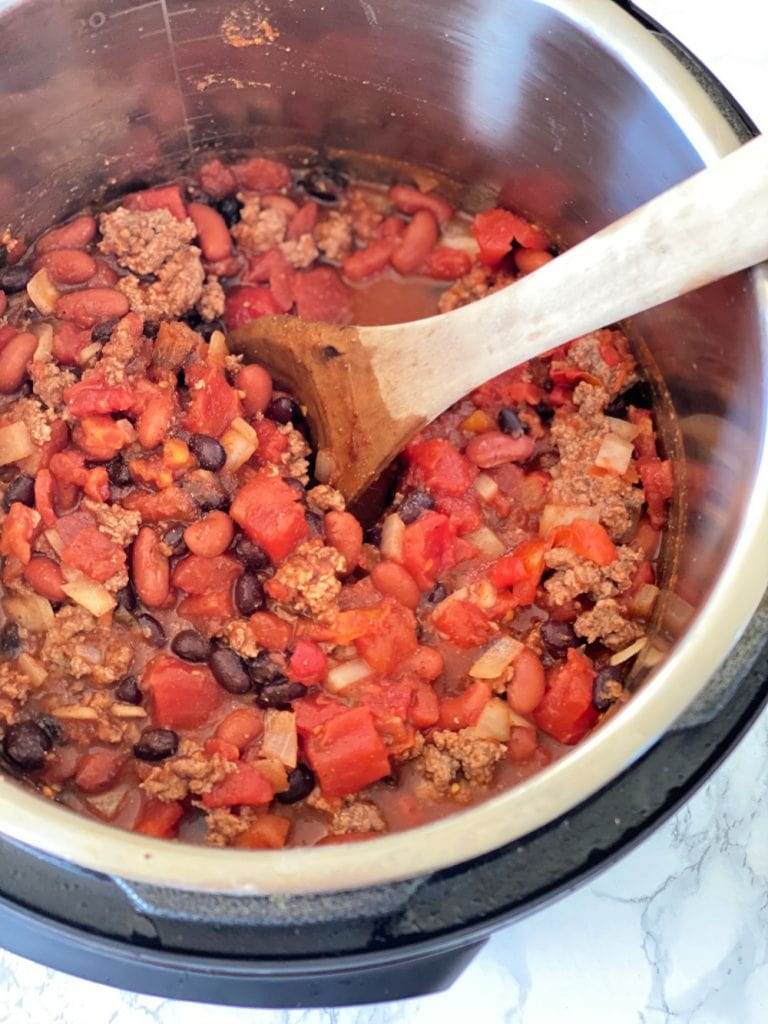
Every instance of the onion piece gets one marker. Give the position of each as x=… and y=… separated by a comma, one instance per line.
x=36, y=672
x=239, y=441
x=493, y=722
x=89, y=595
x=484, y=594
x=43, y=292
x=629, y=652
x=392, y=531
x=346, y=674
x=486, y=542
x=44, y=335
x=31, y=611
x=280, y=739
x=486, y=487
x=564, y=515
x=623, y=428
x=642, y=604
x=217, y=349
x=496, y=658
x=273, y=771
x=615, y=454
x=54, y=539
x=15, y=443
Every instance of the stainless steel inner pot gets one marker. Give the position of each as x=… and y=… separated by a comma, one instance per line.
x=569, y=110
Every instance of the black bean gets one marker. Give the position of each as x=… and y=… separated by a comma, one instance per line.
x=156, y=744
x=3, y=256
x=151, y=327
x=301, y=782
x=607, y=688
x=437, y=594
x=173, y=539
x=229, y=670
x=207, y=328
x=126, y=597
x=151, y=629
x=229, y=207
x=22, y=489
x=192, y=318
x=252, y=555
x=325, y=183
x=14, y=279
x=545, y=412
x=208, y=451
x=639, y=394
x=372, y=536
x=191, y=645
x=249, y=593
x=557, y=637
x=26, y=744
x=215, y=501
x=51, y=726
x=279, y=694
x=128, y=690
x=103, y=332
x=414, y=504
x=262, y=669
x=283, y=410
x=10, y=641
x=510, y=423
x=118, y=472
x=316, y=524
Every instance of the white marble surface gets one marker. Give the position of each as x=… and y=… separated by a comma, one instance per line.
x=676, y=933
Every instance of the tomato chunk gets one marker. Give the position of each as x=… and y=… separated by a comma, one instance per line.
x=266, y=508
x=183, y=695
x=94, y=554
x=246, y=785
x=307, y=664
x=429, y=548
x=566, y=711
x=586, y=538
x=462, y=622
x=390, y=638
x=441, y=466
x=214, y=403
x=347, y=753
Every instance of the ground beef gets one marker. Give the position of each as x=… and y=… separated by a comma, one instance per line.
x=365, y=214
x=576, y=575
x=190, y=772
x=35, y=418
x=96, y=716
x=116, y=522
x=325, y=498
x=143, y=240
x=333, y=236
x=358, y=816
x=450, y=756
x=178, y=287
x=608, y=623
x=223, y=825
x=49, y=382
x=301, y=252
x=586, y=354
x=14, y=684
x=306, y=583
x=122, y=349
x=210, y=305
x=295, y=457
x=239, y=635
x=175, y=343
x=81, y=647
x=260, y=229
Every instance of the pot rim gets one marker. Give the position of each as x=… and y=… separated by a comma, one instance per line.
x=56, y=831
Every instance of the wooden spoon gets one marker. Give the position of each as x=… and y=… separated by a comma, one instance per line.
x=368, y=390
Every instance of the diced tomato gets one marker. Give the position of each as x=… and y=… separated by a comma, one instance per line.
x=267, y=832
x=322, y=295
x=214, y=604
x=307, y=664
x=261, y=175
x=447, y=264
x=246, y=785
x=368, y=261
x=196, y=574
x=347, y=753
x=92, y=396
x=441, y=466
x=312, y=711
x=462, y=622
x=68, y=342
x=645, y=439
x=96, y=484
x=69, y=472
x=270, y=631
x=303, y=221
x=521, y=570
x=226, y=751
x=390, y=638
x=509, y=388
x=463, y=511
x=21, y=526
x=464, y=710
x=496, y=230
x=159, y=818
x=246, y=302
x=214, y=403
x=425, y=706
x=183, y=695
x=217, y=179
x=272, y=442
x=166, y=198
x=44, y=496
x=94, y=554
x=384, y=699
x=268, y=510
x=99, y=438
x=170, y=503
x=566, y=711
x=272, y=267
x=68, y=527
x=429, y=548
x=98, y=770
x=658, y=484
x=585, y=538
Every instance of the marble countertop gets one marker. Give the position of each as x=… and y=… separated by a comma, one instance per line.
x=677, y=931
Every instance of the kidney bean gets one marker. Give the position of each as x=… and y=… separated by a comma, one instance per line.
x=154, y=423
x=277, y=202
x=22, y=489
x=256, y=383
x=522, y=743
x=417, y=240
x=68, y=266
x=426, y=662
x=10, y=642
x=14, y=364
x=557, y=637
x=526, y=687
x=301, y=782
x=151, y=569
x=98, y=770
x=14, y=279
x=368, y=261
x=105, y=276
x=45, y=576
x=279, y=694
x=494, y=449
x=212, y=231
x=229, y=670
x=91, y=306
x=414, y=504
x=3, y=302
x=241, y=727
x=208, y=451
x=191, y=645
x=251, y=554
x=344, y=533
x=156, y=744
x=528, y=260
x=303, y=221
x=391, y=578
x=76, y=235
x=128, y=691
x=248, y=593
x=26, y=744
x=411, y=200
x=211, y=535
x=283, y=410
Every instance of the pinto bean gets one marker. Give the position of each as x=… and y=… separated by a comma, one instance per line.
x=76, y=235
x=15, y=362
x=68, y=266
x=256, y=382
x=411, y=200
x=151, y=569
x=92, y=306
x=344, y=533
x=212, y=231
x=494, y=449
x=211, y=535
x=45, y=576
x=391, y=578
x=418, y=239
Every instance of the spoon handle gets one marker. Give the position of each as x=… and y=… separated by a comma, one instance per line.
x=705, y=228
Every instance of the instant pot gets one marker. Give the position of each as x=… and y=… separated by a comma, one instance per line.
x=575, y=112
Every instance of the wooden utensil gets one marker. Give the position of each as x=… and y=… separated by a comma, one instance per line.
x=368, y=390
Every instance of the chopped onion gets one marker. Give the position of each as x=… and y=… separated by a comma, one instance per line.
x=392, y=531
x=485, y=594
x=493, y=722
x=486, y=542
x=54, y=539
x=563, y=515
x=346, y=674
x=31, y=611
x=518, y=721
x=15, y=443
x=615, y=454
x=457, y=235
x=87, y=353
x=90, y=595
x=43, y=292
x=486, y=487
x=273, y=771
x=44, y=335
x=623, y=428
x=325, y=467
x=643, y=602
x=217, y=349
x=628, y=652
x=32, y=669
x=280, y=738
x=127, y=429
x=239, y=442
x=496, y=659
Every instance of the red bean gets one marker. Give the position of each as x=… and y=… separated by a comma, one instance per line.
x=212, y=231
x=526, y=687
x=368, y=261
x=17, y=355
x=418, y=240
x=151, y=569
x=92, y=306
x=521, y=744
x=528, y=260
x=68, y=266
x=345, y=534
x=494, y=449
x=411, y=200
x=211, y=536
x=45, y=576
x=262, y=175
x=391, y=578
x=256, y=382
x=303, y=222
x=3, y=302
x=76, y=235
x=154, y=424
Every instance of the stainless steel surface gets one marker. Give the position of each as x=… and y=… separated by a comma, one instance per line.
x=568, y=109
